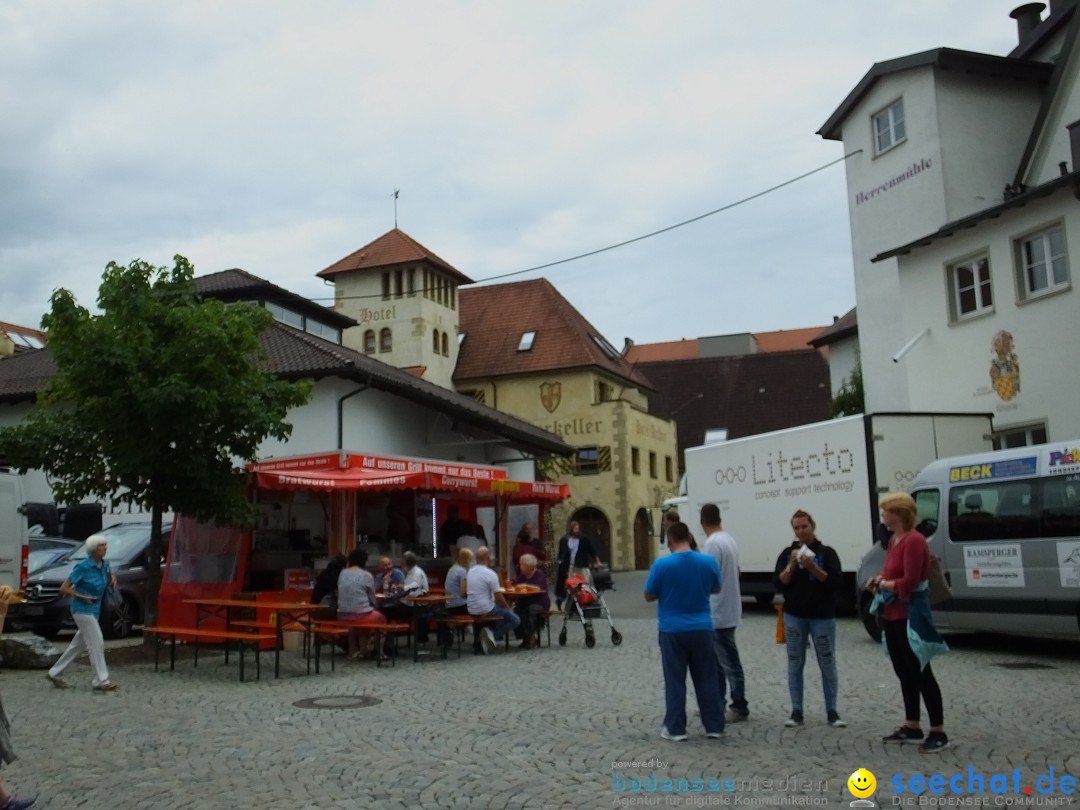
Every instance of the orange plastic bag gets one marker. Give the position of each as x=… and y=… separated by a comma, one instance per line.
x=780, y=638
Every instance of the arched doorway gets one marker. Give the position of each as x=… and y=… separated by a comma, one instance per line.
x=596, y=527
x=642, y=540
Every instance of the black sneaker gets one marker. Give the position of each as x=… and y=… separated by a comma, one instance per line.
x=903, y=735
x=935, y=741
x=835, y=721
x=796, y=719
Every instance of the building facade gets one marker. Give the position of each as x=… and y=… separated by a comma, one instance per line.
x=962, y=200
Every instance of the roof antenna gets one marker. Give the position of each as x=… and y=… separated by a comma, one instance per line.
x=396, y=192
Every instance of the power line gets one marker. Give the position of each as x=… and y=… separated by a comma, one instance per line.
x=626, y=242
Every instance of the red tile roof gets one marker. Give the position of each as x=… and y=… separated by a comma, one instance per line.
x=844, y=326
x=494, y=318
x=392, y=248
x=786, y=340
x=672, y=350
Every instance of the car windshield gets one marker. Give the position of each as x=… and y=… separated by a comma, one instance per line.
x=123, y=542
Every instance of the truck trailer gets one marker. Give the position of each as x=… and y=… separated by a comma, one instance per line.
x=835, y=470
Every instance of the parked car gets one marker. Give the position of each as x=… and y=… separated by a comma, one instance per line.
x=46, y=551
x=46, y=611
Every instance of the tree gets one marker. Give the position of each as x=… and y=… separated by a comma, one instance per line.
x=849, y=399
x=154, y=401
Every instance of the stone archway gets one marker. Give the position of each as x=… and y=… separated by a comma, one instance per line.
x=595, y=525
x=642, y=540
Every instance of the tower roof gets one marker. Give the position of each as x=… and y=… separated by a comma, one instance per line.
x=391, y=249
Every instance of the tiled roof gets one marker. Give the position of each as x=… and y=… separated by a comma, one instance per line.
x=842, y=327
x=392, y=248
x=748, y=394
x=671, y=350
x=240, y=285
x=22, y=330
x=786, y=340
x=22, y=375
x=493, y=320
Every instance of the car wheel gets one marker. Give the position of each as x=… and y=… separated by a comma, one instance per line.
x=869, y=620
x=120, y=622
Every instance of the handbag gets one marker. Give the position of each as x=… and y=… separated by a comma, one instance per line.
x=938, y=584
x=112, y=600
x=780, y=637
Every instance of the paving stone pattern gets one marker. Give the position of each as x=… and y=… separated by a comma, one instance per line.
x=528, y=729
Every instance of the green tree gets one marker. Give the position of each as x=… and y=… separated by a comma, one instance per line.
x=154, y=401
x=849, y=399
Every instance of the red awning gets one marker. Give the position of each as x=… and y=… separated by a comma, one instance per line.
x=323, y=472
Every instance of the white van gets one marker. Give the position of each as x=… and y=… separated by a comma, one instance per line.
x=1006, y=526
x=14, y=548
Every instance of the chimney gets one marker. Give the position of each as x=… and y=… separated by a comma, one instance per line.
x=1028, y=17
x=1074, y=143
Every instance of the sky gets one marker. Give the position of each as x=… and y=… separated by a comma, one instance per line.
x=271, y=136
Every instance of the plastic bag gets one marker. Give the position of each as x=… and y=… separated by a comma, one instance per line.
x=780, y=637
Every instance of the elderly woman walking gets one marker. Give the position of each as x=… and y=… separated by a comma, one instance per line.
x=86, y=586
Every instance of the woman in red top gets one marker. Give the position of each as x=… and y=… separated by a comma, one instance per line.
x=902, y=582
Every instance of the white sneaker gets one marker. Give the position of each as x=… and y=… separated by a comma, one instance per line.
x=715, y=735
x=667, y=735
x=487, y=641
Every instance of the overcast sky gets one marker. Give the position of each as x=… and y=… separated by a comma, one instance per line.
x=271, y=135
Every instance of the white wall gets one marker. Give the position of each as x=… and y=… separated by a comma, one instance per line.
x=949, y=369
x=843, y=357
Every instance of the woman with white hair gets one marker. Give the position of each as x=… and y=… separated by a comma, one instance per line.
x=86, y=586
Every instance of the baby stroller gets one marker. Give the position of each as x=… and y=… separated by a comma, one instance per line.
x=585, y=602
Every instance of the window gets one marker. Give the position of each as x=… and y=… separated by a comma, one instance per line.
x=435, y=344
x=635, y=461
x=427, y=284
x=969, y=284
x=386, y=341
x=453, y=296
x=603, y=392
x=474, y=393
x=669, y=474
x=386, y=285
x=1019, y=436
x=445, y=345
x=411, y=279
x=322, y=330
x=927, y=502
x=652, y=465
x=286, y=316
x=526, y=342
x=398, y=275
x=369, y=341
x=889, y=129
x=715, y=435
x=1041, y=263
x=587, y=461
x=606, y=347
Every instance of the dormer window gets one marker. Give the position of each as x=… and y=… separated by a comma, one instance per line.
x=889, y=127
x=606, y=347
x=526, y=343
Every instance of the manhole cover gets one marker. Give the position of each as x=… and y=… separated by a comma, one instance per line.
x=337, y=702
x=1024, y=665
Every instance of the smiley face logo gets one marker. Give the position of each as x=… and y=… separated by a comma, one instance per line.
x=861, y=783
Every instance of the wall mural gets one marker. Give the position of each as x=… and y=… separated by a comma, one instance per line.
x=1004, y=366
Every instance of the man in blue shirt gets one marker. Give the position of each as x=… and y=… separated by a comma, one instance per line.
x=682, y=583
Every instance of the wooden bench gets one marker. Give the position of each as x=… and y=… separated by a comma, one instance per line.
x=463, y=621
x=336, y=628
x=241, y=637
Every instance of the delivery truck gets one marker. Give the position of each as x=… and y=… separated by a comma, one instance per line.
x=835, y=470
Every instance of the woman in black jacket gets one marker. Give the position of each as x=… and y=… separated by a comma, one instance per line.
x=808, y=574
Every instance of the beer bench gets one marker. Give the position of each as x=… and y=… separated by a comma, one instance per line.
x=195, y=634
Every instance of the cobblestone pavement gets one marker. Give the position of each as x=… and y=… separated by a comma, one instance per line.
x=549, y=728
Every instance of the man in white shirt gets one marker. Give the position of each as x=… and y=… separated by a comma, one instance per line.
x=416, y=581
x=726, y=608
x=485, y=598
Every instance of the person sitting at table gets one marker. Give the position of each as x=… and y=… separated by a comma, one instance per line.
x=525, y=543
x=325, y=590
x=468, y=540
x=485, y=598
x=454, y=586
x=389, y=580
x=356, y=602
x=416, y=581
x=531, y=609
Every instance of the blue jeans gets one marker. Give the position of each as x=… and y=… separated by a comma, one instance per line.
x=730, y=669
x=691, y=650
x=822, y=632
x=510, y=620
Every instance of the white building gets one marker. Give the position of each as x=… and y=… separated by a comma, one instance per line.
x=963, y=205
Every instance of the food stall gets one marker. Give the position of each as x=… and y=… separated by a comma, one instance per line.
x=312, y=508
